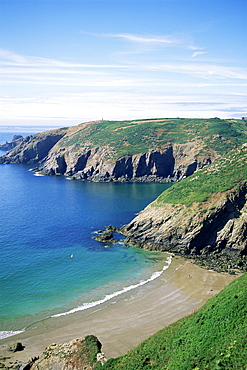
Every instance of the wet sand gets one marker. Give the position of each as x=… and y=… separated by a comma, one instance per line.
x=122, y=323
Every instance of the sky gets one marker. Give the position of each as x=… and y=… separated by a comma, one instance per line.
x=63, y=62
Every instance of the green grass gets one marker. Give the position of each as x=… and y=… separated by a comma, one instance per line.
x=224, y=174
x=213, y=338
x=140, y=136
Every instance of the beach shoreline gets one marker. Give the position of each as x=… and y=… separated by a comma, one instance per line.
x=123, y=322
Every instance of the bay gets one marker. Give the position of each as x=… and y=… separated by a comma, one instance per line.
x=50, y=264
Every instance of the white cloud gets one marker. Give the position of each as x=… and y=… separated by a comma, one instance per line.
x=8, y=58
x=80, y=107
x=142, y=39
x=205, y=71
x=196, y=53
x=36, y=89
x=179, y=40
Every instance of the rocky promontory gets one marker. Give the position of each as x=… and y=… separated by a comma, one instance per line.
x=157, y=150
x=203, y=217
x=17, y=139
x=33, y=148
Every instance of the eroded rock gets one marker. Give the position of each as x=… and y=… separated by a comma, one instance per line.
x=215, y=235
x=77, y=354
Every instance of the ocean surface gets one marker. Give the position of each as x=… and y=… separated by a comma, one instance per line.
x=50, y=265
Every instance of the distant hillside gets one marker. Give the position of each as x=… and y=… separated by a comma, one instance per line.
x=140, y=150
x=213, y=338
x=203, y=216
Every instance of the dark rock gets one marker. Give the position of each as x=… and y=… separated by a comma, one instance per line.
x=33, y=148
x=106, y=236
x=16, y=347
x=17, y=139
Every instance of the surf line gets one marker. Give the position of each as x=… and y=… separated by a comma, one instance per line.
x=86, y=306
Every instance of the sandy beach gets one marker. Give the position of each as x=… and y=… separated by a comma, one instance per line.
x=122, y=323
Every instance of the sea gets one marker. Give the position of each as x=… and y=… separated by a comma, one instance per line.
x=50, y=265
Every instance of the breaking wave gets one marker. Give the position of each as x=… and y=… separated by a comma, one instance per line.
x=88, y=305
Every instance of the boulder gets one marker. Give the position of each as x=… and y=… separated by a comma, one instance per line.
x=16, y=347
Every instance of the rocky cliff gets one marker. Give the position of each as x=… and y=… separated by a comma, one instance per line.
x=17, y=139
x=99, y=163
x=141, y=150
x=213, y=230
x=215, y=238
x=33, y=148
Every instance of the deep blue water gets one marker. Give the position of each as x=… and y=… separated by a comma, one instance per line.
x=49, y=262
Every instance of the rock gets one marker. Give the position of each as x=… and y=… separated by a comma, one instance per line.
x=28, y=365
x=215, y=239
x=97, y=164
x=33, y=148
x=17, y=139
x=16, y=347
x=106, y=236
x=101, y=358
x=77, y=354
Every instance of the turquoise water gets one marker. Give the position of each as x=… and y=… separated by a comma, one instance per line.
x=50, y=265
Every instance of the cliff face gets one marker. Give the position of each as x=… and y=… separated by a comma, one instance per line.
x=215, y=235
x=98, y=163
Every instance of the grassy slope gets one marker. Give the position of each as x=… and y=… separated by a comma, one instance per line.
x=225, y=174
x=140, y=136
x=215, y=337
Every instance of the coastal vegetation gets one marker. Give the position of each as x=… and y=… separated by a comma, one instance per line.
x=226, y=173
x=141, y=136
x=213, y=338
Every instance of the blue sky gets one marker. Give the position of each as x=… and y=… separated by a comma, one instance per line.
x=69, y=61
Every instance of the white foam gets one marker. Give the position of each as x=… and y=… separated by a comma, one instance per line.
x=6, y=334
x=88, y=305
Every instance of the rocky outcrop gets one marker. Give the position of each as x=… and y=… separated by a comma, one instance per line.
x=215, y=235
x=16, y=347
x=33, y=148
x=17, y=139
x=81, y=353
x=107, y=235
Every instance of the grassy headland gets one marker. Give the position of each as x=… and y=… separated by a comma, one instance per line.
x=140, y=136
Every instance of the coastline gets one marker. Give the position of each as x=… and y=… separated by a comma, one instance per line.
x=121, y=324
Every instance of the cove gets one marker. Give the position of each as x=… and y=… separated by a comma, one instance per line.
x=49, y=262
